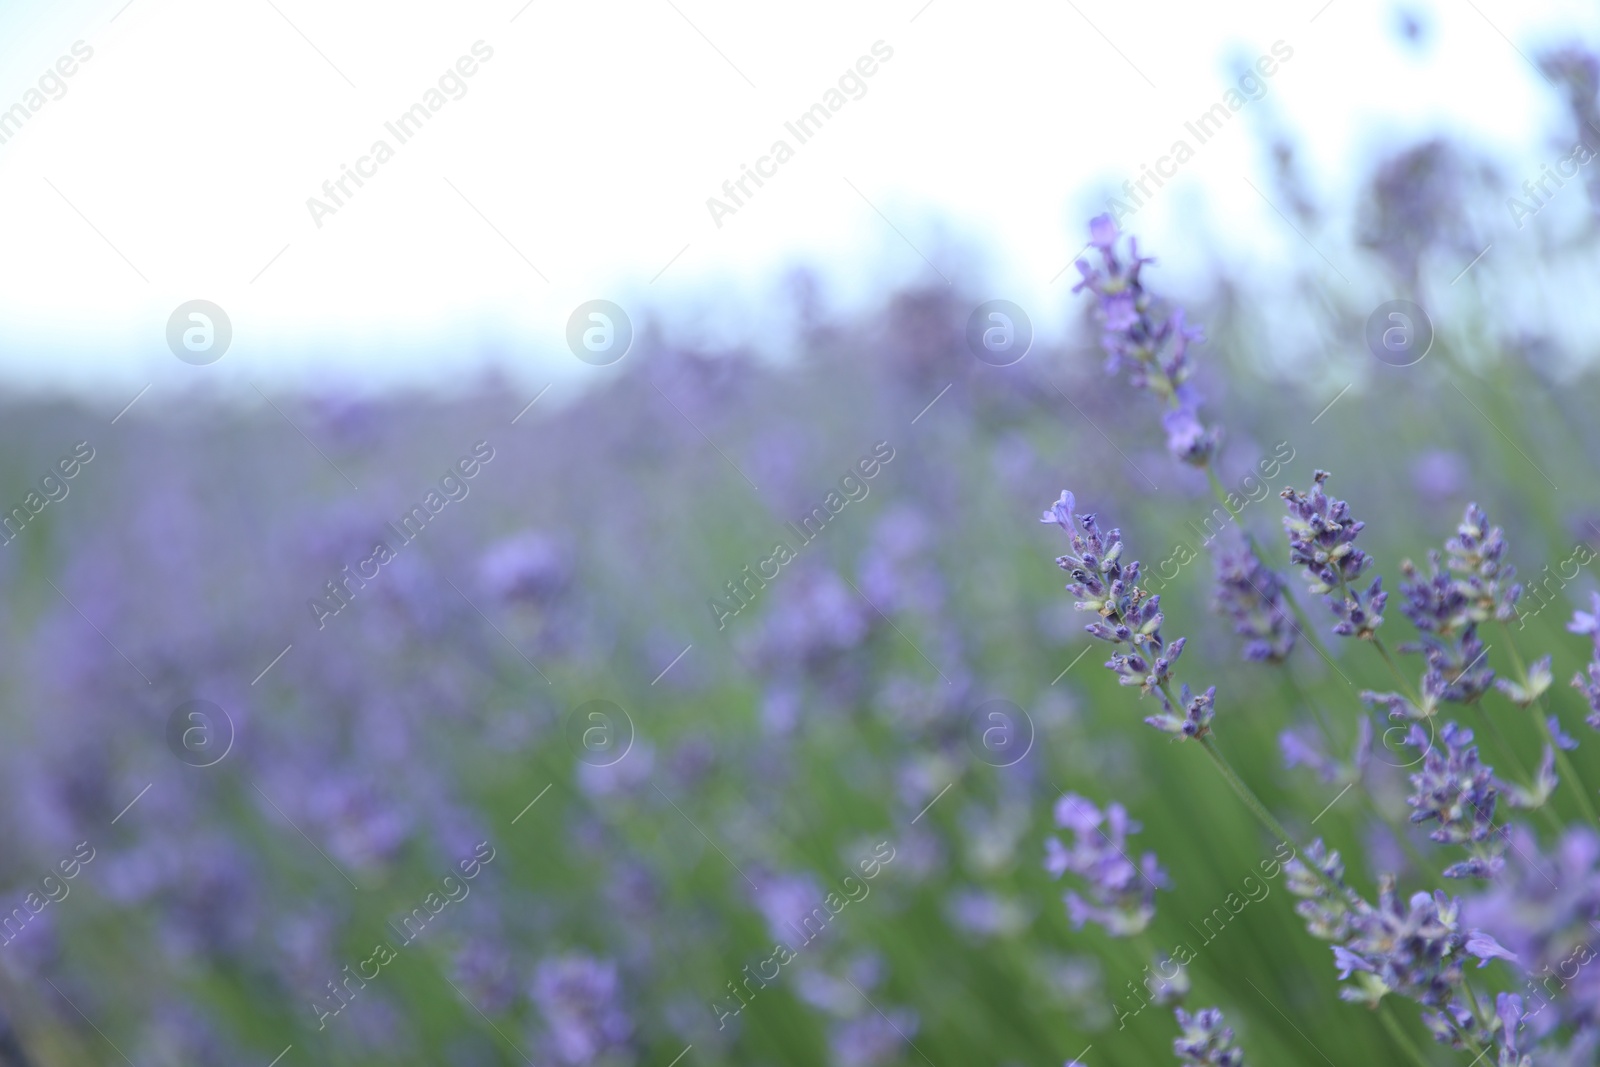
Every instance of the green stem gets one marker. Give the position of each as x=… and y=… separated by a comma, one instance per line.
x=1504, y=741
x=1391, y=1024
x=1394, y=668
x=1258, y=809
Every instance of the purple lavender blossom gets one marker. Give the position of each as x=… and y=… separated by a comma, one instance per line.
x=1122, y=894
x=1438, y=474
x=484, y=968
x=1328, y=914
x=580, y=998
x=1508, y=1009
x=1322, y=538
x=986, y=914
x=1545, y=909
x=1476, y=557
x=1188, y=438
x=1586, y=622
x=1447, y=604
x=871, y=1039
x=1300, y=748
x=529, y=566
x=1456, y=790
x=1140, y=334
x=1132, y=619
x=1415, y=949
x=1252, y=595
x=1206, y=1042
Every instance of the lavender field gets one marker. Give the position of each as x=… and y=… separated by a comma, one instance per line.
x=1219, y=685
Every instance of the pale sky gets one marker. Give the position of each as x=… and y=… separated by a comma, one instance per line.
x=177, y=162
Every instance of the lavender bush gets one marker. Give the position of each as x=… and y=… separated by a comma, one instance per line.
x=723, y=710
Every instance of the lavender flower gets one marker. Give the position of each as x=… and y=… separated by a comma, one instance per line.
x=1153, y=344
x=1301, y=749
x=1205, y=1041
x=1133, y=616
x=1122, y=894
x=1444, y=608
x=484, y=967
x=1546, y=908
x=1508, y=1010
x=1328, y=914
x=1322, y=538
x=1456, y=790
x=1585, y=622
x=1415, y=949
x=1476, y=559
x=1252, y=595
x=871, y=1039
x=1132, y=619
x=580, y=998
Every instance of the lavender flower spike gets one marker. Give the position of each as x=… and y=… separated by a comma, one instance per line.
x=1153, y=344
x=1252, y=595
x=1129, y=618
x=1585, y=622
x=1476, y=556
x=1121, y=894
x=1206, y=1042
x=1456, y=790
x=1322, y=538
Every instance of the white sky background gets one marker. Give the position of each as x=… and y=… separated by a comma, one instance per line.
x=592, y=139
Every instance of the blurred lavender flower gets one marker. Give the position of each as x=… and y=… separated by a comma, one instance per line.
x=1206, y=1042
x=1438, y=474
x=1508, y=1010
x=1588, y=623
x=580, y=999
x=1188, y=438
x=1153, y=344
x=1322, y=538
x=1300, y=748
x=1476, y=557
x=1132, y=619
x=872, y=1039
x=1122, y=894
x=1416, y=203
x=786, y=901
x=529, y=566
x=1252, y=595
x=483, y=968
x=1456, y=790
x=841, y=996
x=1415, y=949
x=817, y=619
x=1546, y=909
x=1447, y=604
x=986, y=913
x=1578, y=72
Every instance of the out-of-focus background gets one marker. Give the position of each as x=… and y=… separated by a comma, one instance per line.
x=398, y=650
